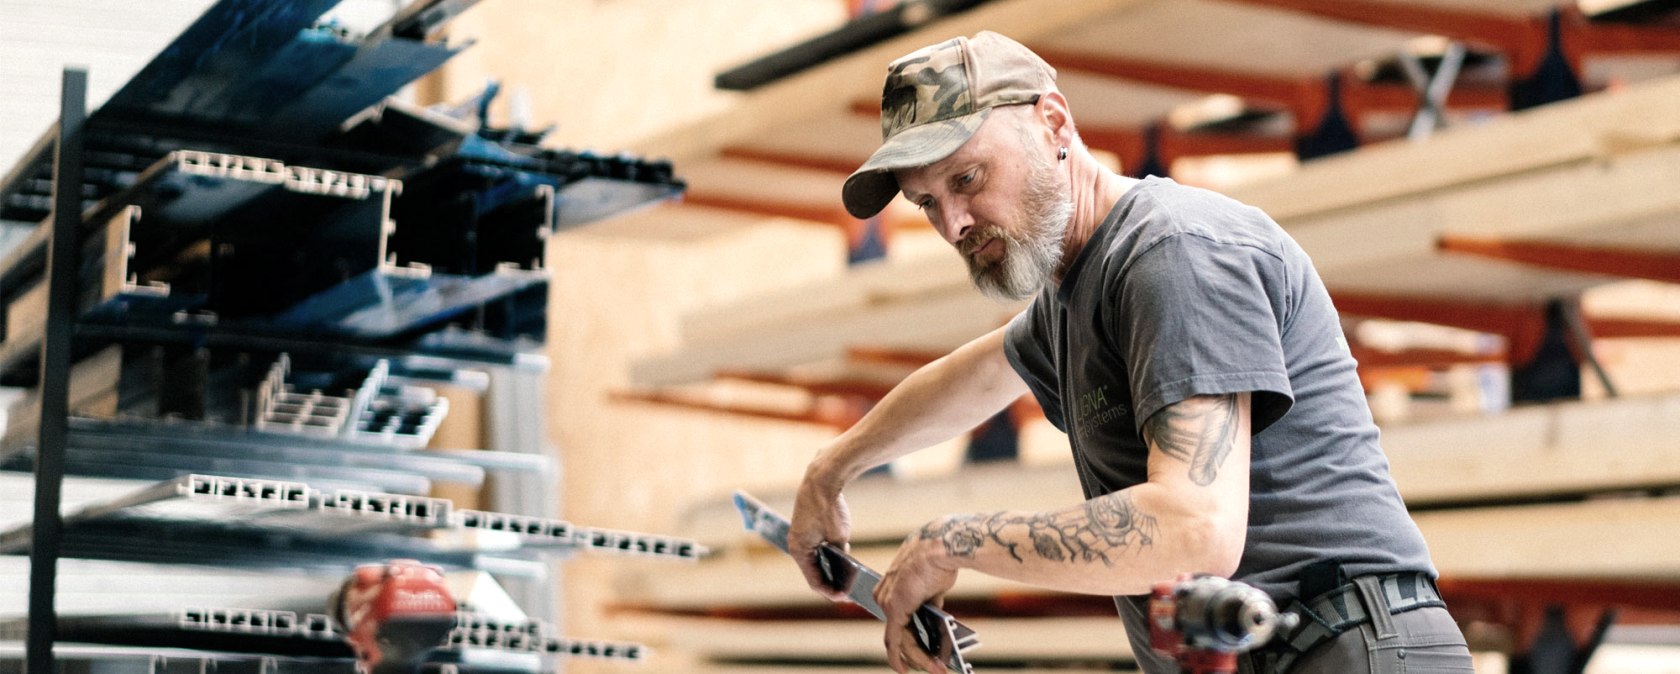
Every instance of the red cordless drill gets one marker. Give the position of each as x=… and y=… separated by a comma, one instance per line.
x=1205, y=621
x=394, y=614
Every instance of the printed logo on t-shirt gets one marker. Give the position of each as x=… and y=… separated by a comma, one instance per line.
x=1095, y=411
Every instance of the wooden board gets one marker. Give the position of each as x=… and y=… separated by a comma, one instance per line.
x=935, y=321
x=1560, y=448
x=856, y=76
x=1575, y=131
x=1621, y=539
x=1390, y=247
x=1002, y=639
x=1232, y=37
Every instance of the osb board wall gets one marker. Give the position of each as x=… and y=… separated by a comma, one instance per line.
x=618, y=292
x=609, y=72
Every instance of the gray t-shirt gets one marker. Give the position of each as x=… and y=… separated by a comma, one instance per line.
x=1183, y=292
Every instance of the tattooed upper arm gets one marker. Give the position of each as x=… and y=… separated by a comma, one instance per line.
x=1200, y=431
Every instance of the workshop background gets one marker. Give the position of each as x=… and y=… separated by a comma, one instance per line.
x=1488, y=187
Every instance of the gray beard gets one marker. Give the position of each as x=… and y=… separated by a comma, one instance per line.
x=1028, y=261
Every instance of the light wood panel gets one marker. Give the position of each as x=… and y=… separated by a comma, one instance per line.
x=1232, y=37
x=1579, y=130
x=824, y=88
x=1390, y=246
x=1624, y=539
x=1037, y=639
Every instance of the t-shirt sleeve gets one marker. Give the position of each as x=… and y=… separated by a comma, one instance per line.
x=1193, y=316
x=1024, y=344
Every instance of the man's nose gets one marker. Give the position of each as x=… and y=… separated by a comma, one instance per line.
x=956, y=225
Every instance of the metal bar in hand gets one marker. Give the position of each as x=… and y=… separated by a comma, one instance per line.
x=63, y=258
x=936, y=632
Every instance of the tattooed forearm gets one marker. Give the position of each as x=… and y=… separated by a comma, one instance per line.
x=1098, y=531
x=1200, y=431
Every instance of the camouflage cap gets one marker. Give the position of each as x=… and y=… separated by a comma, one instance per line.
x=934, y=100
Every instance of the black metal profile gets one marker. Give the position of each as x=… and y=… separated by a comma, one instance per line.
x=63, y=257
x=855, y=35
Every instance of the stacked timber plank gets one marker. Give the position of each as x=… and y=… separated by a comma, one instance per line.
x=1596, y=171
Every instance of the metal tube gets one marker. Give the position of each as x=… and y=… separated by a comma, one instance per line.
x=63, y=256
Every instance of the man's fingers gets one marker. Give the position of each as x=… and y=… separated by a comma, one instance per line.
x=812, y=569
x=892, y=642
x=925, y=661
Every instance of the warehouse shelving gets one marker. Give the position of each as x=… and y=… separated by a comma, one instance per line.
x=226, y=302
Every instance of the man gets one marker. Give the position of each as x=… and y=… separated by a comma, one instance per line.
x=1186, y=346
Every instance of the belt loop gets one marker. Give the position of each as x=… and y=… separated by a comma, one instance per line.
x=1376, y=605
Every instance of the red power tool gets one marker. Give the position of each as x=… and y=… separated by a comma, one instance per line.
x=394, y=614
x=1203, y=622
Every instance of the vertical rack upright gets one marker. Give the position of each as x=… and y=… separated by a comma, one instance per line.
x=63, y=251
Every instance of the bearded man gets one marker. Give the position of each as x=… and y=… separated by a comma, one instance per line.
x=1189, y=350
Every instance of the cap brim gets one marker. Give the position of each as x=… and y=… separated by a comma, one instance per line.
x=873, y=185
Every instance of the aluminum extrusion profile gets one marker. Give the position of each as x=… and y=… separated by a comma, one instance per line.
x=395, y=414
x=134, y=444
x=370, y=512
x=936, y=632
x=378, y=411
x=280, y=408
x=421, y=20
x=542, y=531
x=534, y=636
x=216, y=545
x=133, y=463
x=196, y=497
x=250, y=621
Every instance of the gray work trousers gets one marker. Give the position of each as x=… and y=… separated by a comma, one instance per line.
x=1417, y=641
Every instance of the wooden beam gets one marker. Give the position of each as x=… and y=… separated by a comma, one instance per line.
x=811, y=93
x=871, y=390
x=1606, y=539
x=1604, y=326
x=1521, y=40
x=1645, y=264
x=1611, y=37
x=840, y=165
x=1522, y=326
x=1390, y=246
x=1429, y=358
x=1006, y=640
x=1661, y=596
x=922, y=303
x=1172, y=144
x=827, y=215
x=1577, y=131
x=892, y=356
x=1305, y=98
x=839, y=418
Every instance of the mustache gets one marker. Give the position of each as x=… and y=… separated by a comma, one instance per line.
x=978, y=239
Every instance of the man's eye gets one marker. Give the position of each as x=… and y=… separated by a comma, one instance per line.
x=966, y=179
x=925, y=204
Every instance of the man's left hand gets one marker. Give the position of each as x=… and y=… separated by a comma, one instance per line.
x=922, y=572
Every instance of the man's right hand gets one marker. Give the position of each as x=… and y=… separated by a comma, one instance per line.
x=819, y=516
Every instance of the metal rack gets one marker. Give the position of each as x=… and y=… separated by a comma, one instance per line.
x=159, y=287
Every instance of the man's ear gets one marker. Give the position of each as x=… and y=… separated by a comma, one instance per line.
x=1052, y=108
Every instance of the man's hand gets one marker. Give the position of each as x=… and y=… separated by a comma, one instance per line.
x=922, y=572
x=819, y=516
